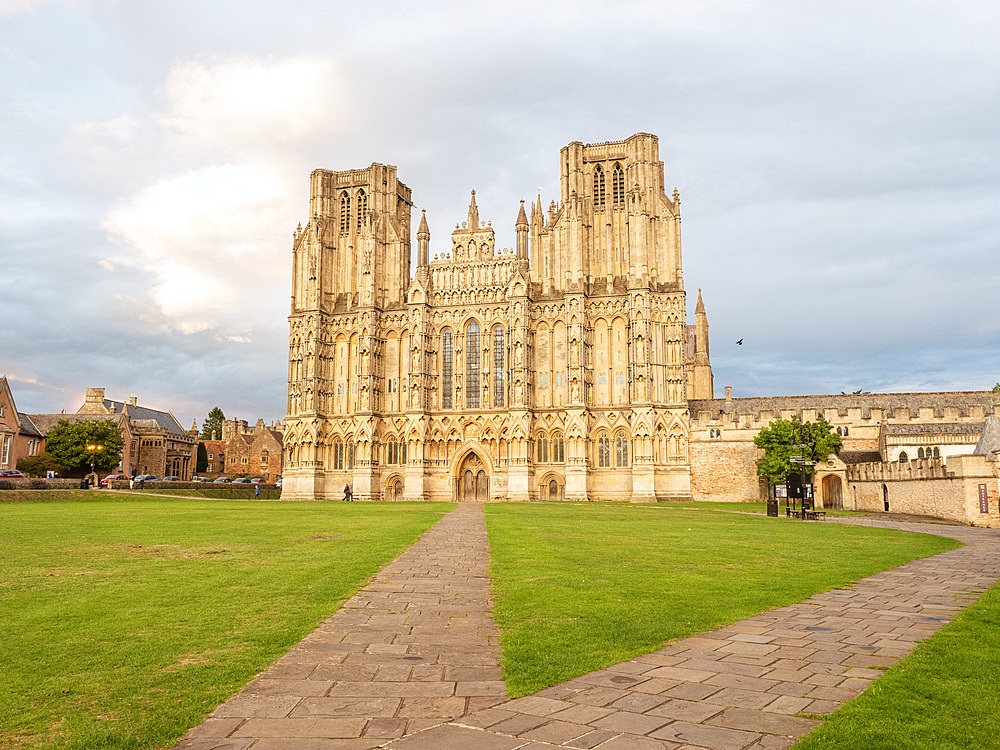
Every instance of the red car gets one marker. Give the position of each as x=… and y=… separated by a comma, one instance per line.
x=111, y=478
x=11, y=473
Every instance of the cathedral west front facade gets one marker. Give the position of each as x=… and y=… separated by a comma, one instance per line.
x=559, y=369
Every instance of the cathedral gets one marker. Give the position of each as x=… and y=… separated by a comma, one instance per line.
x=559, y=369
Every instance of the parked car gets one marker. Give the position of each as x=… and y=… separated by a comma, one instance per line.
x=172, y=479
x=278, y=481
x=112, y=478
x=241, y=480
x=257, y=480
x=145, y=478
x=11, y=473
x=221, y=479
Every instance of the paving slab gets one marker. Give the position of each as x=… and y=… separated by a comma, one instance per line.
x=742, y=686
x=411, y=650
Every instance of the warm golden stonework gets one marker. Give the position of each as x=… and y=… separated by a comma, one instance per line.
x=558, y=369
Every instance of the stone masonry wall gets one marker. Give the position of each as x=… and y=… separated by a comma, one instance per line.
x=928, y=487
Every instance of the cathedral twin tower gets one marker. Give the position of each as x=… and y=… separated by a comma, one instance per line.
x=557, y=370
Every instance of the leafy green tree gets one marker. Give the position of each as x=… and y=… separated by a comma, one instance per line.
x=213, y=423
x=68, y=441
x=784, y=438
x=202, y=463
x=38, y=466
x=997, y=387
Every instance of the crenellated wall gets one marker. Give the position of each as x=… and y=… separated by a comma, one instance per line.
x=929, y=487
x=723, y=455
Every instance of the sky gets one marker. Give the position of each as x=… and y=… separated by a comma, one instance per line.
x=838, y=166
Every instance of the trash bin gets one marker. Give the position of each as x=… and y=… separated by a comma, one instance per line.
x=84, y=484
x=772, y=508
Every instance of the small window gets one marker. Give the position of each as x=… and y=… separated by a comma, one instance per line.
x=920, y=452
x=599, y=188
x=903, y=458
x=345, y=212
x=362, y=208
x=618, y=185
x=937, y=452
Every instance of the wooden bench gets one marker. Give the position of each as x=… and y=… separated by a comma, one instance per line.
x=814, y=515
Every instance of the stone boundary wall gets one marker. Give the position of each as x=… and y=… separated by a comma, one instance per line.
x=28, y=483
x=722, y=430
x=928, y=487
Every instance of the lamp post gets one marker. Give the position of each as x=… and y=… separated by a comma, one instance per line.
x=94, y=449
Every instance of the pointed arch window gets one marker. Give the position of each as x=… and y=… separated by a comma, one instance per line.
x=603, y=450
x=345, y=212
x=599, y=188
x=542, y=450
x=472, y=365
x=338, y=455
x=498, y=366
x=621, y=450
x=618, y=185
x=447, y=359
x=558, y=449
x=903, y=457
x=362, y=208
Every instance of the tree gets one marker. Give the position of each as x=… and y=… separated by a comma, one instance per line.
x=997, y=388
x=784, y=438
x=38, y=466
x=68, y=441
x=202, y=462
x=213, y=423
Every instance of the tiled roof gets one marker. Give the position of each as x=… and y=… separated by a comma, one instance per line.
x=163, y=419
x=972, y=428
x=860, y=457
x=45, y=423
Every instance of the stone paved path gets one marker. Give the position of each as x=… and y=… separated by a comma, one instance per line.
x=736, y=688
x=413, y=649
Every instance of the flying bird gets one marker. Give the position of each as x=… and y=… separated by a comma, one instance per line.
x=740, y=342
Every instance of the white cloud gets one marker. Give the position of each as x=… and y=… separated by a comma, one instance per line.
x=208, y=238
x=245, y=103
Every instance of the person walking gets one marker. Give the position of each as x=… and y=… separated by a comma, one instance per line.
x=347, y=493
x=256, y=492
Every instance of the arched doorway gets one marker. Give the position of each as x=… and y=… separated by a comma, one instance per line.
x=832, y=496
x=885, y=497
x=394, y=489
x=473, y=481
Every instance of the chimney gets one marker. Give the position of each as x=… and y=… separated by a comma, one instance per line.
x=729, y=393
x=132, y=399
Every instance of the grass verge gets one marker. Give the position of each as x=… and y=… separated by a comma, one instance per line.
x=942, y=696
x=579, y=587
x=125, y=623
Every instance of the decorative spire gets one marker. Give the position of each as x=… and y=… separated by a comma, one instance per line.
x=700, y=307
x=522, y=220
x=473, y=213
x=422, y=230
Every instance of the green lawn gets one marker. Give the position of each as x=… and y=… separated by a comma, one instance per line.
x=580, y=587
x=125, y=622
x=943, y=696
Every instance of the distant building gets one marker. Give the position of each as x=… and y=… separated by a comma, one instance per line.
x=253, y=451
x=19, y=436
x=157, y=444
